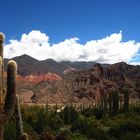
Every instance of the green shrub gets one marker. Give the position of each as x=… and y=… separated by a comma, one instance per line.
x=119, y=129
x=78, y=136
x=97, y=112
x=55, y=123
x=69, y=115
x=10, y=131
x=89, y=127
x=47, y=135
x=33, y=135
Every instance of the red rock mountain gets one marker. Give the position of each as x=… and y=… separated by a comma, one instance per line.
x=49, y=81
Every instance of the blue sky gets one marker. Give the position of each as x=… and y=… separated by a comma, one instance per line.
x=64, y=19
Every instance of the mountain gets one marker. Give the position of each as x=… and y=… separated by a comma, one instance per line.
x=28, y=65
x=49, y=81
x=89, y=83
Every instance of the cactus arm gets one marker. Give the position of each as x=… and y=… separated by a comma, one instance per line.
x=19, y=123
x=2, y=38
x=11, y=89
x=1, y=98
x=2, y=116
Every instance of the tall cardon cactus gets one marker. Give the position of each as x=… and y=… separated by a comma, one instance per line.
x=7, y=106
x=8, y=98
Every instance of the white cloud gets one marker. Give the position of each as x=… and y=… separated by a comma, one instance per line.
x=107, y=50
x=135, y=63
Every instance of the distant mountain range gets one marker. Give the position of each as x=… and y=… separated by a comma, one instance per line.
x=28, y=65
x=49, y=81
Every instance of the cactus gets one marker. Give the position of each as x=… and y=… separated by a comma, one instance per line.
x=7, y=108
x=8, y=98
x=110, y=102
x=2, y=37
x=126, y=99
x=11, y=88
x=1, y=89
x=105, y=108
x=115, y=102
x=19, y=124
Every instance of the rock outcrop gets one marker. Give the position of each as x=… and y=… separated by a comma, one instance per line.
x=88, y=85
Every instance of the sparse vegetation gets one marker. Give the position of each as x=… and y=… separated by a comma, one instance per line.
x=44, y=123
x=109, y=119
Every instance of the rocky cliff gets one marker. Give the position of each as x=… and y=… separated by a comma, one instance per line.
x=53, y=82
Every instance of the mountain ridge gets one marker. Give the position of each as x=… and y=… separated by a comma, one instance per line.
x=49, y=81
x=28, y=65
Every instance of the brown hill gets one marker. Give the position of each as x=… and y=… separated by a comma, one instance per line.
x=114, y=77
x=76, y=85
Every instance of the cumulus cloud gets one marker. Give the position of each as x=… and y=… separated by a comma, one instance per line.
x=110, y=49
x=135, y=63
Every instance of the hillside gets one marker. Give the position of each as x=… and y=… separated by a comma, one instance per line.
x=28, y=65
x=49, y=81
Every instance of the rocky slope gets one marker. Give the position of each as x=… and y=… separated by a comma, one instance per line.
x=89, y=83
x=60, y=82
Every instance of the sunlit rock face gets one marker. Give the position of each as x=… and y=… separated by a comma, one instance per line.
x=39, y=78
